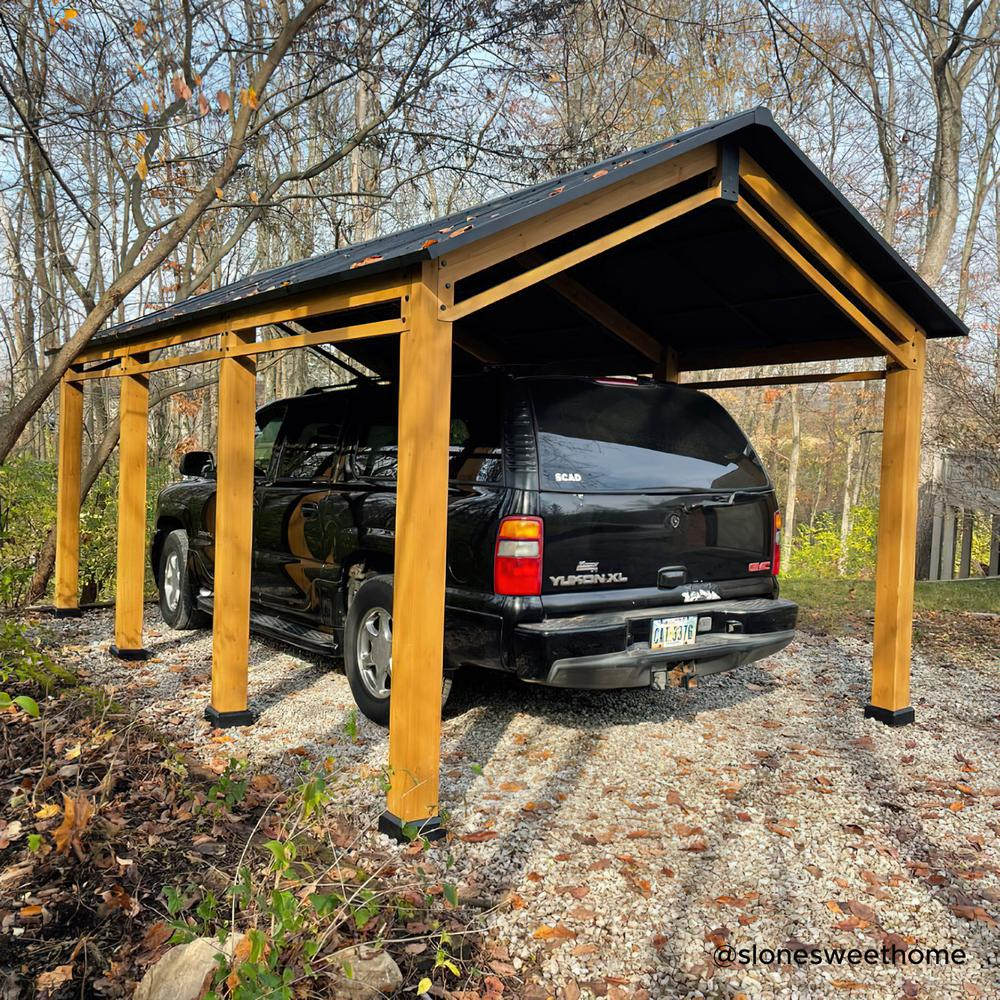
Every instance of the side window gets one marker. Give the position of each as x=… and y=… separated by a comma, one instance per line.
x=476, y=433
x=474, y=446
x=312, y=445
x=263, y=445
x=377, y=456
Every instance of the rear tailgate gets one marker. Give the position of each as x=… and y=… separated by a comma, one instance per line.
x=626, y=540
x=645, y=485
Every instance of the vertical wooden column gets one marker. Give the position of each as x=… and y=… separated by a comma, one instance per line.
x=668, y=370
x=965, y=558
x=949, y=532
x=896, y=559
x=418, y=592
x=130, y=581
x=67, y=585
x=233, y=536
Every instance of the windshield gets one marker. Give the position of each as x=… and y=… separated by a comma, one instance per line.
x=601, y=437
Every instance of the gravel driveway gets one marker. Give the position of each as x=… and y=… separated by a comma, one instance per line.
x=636, y=832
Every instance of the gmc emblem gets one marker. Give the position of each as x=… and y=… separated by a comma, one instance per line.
x=759, y=567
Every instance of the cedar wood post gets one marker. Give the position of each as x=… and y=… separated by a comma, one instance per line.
x=419, y=585
x=130, y=579
x=233, y=535
x=897, y=531
x=67, y=585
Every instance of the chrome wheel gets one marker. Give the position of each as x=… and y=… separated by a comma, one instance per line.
x=374, y=652
x=172, y=580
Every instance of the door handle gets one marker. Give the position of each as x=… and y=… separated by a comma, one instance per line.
x=309, y=509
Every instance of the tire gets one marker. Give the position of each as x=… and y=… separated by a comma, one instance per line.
x=177, y=606
x=368, y=649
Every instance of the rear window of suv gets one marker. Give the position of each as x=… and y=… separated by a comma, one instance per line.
x=607, y=437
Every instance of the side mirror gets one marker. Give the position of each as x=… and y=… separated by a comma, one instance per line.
x=197, y=463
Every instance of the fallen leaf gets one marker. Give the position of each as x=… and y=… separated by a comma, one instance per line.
x=76, y=814
x=54, y=979
x=157, y=936
x=479, y=836
x=547, y=933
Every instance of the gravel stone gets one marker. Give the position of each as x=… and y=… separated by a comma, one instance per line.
x=651, y=827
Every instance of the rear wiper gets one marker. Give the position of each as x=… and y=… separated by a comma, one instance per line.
x=722, y=501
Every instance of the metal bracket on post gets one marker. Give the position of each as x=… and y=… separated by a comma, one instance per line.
x=729, y=172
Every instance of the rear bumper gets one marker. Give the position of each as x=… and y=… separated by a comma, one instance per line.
x=612, y=650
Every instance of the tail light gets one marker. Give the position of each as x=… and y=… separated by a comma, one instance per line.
x=776, y=545
x=517, y=563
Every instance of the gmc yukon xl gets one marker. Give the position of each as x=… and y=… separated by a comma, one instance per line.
x=602, y=533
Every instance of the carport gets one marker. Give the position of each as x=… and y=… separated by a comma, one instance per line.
x=724, y=247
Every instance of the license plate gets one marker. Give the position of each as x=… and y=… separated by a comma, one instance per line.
x=665, y=633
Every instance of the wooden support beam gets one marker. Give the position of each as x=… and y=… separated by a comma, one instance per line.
x=785, y=208
x=578, y=295
x=668, y=369
x=67, y=582
x=902, y=354
x=799, y=352
x=130, y=580
x=739, y=383
x=895, y=562
x=360, y=292
x=233, y=534
x=336, y=335
x=419, y=581
x=564, y=218
x=543, y=272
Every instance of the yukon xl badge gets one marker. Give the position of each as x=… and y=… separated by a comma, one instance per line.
x=586, y=575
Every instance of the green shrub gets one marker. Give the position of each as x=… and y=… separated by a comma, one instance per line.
x=816, y=552
x=28, y=511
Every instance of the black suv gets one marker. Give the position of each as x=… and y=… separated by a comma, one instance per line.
x=602, y=533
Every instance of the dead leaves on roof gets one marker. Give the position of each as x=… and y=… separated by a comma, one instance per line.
x=370, y=259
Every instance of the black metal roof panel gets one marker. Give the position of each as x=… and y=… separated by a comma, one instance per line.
x=755, y=130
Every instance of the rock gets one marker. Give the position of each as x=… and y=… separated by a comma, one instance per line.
x=366, y=974
x=186, y=970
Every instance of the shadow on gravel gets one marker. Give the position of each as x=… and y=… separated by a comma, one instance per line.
x=932, y=866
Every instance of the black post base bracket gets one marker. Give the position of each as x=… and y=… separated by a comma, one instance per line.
x=130, y=654
x=403, y=833
x=899, y=717
x=230, y=720
x=67, y=613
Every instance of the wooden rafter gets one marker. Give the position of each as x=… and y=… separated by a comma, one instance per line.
x=592, y=305
x=543, y=272
x=582, y=210
x=901, y=353
x=785, y=208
